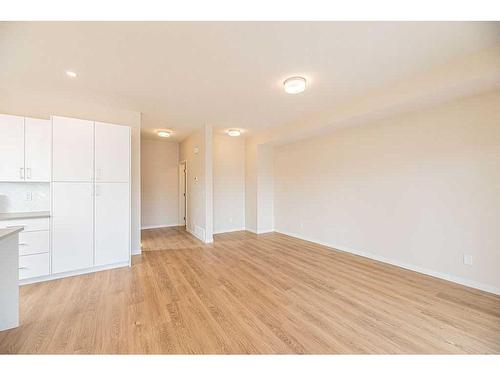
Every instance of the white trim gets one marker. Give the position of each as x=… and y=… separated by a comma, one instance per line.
x=208, y=184
x=194, y=234
x=456, y=279
x=161, y=226
x=73, y=273
x=262, y=231
x=182, y=199
x=229, y=230
x=135, y=252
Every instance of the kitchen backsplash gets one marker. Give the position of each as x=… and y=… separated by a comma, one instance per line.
x=24, y=196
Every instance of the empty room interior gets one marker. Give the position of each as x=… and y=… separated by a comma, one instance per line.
x=250, y=187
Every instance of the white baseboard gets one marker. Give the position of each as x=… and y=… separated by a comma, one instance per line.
x=259, y=231
x=262, y=231
x=197, y=235
x=73, y=273
x=136, y=252
x=411, y=267
x=160, y=226
x=228, y=230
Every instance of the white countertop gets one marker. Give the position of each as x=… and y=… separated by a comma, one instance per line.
x=8, y=231
x=23, y=215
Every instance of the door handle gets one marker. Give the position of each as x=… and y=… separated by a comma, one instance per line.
x=23, y=268
x=21, y=173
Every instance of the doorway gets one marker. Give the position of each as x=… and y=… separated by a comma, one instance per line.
x=183, y=194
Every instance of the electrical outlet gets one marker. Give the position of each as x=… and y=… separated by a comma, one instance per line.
x=468, y=259
x=301, y=225
x=29, y=196
x=230, y=219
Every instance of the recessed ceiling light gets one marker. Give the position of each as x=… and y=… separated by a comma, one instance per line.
x=294, y=85
x=71, y=74
x=163, y=133
x=234, y=132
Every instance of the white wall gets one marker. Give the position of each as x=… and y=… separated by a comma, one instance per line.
x=43, y=105
x=229, y=183
x=199, y=206
x=159, y=183
x=259, y=186
x=251, y=185
x=419, y=190
x=265, y=189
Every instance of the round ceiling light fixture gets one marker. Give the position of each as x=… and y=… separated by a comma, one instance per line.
x=164, y=133
x=71, y=74
x=234, y=132
x=294, y=85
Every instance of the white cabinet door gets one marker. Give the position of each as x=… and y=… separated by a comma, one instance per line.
x=72, y=149
x=112, y=223
x=112, y=152
x=11, y=148
x=72, y=226
x=38, y=140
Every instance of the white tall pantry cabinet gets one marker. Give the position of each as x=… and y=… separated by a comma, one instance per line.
x=112, y=194
x=90, y=195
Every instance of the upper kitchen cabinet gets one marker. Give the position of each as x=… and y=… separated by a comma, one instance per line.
x=38, y=139
x=72, y=150
x=12, y=148
x=24, y=149
x=112, y=153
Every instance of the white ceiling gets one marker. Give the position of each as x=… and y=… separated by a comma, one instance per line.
x=182, y=75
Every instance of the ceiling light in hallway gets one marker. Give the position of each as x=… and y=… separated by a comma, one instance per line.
x=294, y=85
x=234, y=132
x=164, y=133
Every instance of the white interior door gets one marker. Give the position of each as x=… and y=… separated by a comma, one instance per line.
x=38, y=140
x=112, y=223
x=11, y=148
x=72, y=149
x=112, y=152
x=72, y=226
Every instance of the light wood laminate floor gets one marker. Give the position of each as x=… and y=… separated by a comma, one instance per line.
x=252, y=294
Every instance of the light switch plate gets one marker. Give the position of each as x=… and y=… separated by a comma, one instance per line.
x=468, y=259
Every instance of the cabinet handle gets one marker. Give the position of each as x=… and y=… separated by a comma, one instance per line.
x=23, y=244
x=23, y=268
x=28, y=173
x=97, y=190
x=21, y=173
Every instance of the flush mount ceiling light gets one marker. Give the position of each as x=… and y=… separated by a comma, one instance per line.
x=164, y=133
x=70, y=73
x=294, y=85
x=234, y=132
